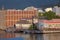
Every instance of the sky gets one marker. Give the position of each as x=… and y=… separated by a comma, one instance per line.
x=21, y=4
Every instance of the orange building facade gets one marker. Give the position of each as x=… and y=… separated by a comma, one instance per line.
x=13, y=16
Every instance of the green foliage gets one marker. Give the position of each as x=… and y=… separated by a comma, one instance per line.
x=49, y=15
x=57, y=17
x=33, y=27
x=40, y=14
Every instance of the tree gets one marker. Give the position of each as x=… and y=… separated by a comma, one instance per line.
x=57, y=16
x=40, y=14
x=50, y=15
x=33, y=27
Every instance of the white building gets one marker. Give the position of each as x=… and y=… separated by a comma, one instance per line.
x=56, y=9
x=54, y=23
x=30, y=8
x=22, y=24
x=40, y=10
x=25, y=23
x=48, y=9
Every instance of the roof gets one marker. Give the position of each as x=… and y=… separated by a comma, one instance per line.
x=23, y=22
x=51, y=21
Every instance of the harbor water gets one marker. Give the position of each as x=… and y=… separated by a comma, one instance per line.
x=21, y=36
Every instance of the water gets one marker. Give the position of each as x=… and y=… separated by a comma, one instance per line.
x=19, y=36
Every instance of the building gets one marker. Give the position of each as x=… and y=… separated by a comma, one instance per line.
x=56, y=9
x=54, y=23
x=9, y=17
x=31, y=8
x=48, y=9
x=41, y=11
x=12, y=16
x=2, y=19
x=23, y=24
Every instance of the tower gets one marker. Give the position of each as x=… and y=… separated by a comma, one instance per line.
x=2, y=7
x=2, y=18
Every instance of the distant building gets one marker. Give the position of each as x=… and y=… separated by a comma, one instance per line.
x=48, y=9
x=10, y=17
x=2, y=19
x=35, y=20
x=26, y=23
x=56, y=9
x=30, y=8
x=40, y=10
x=23, y=24
x=54, y=23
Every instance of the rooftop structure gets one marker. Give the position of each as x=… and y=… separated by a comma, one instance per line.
x=56, y=9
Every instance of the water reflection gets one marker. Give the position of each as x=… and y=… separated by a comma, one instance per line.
x=7, y=35
x=52, y=36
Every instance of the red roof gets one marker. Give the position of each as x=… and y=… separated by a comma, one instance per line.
x=51, y=21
